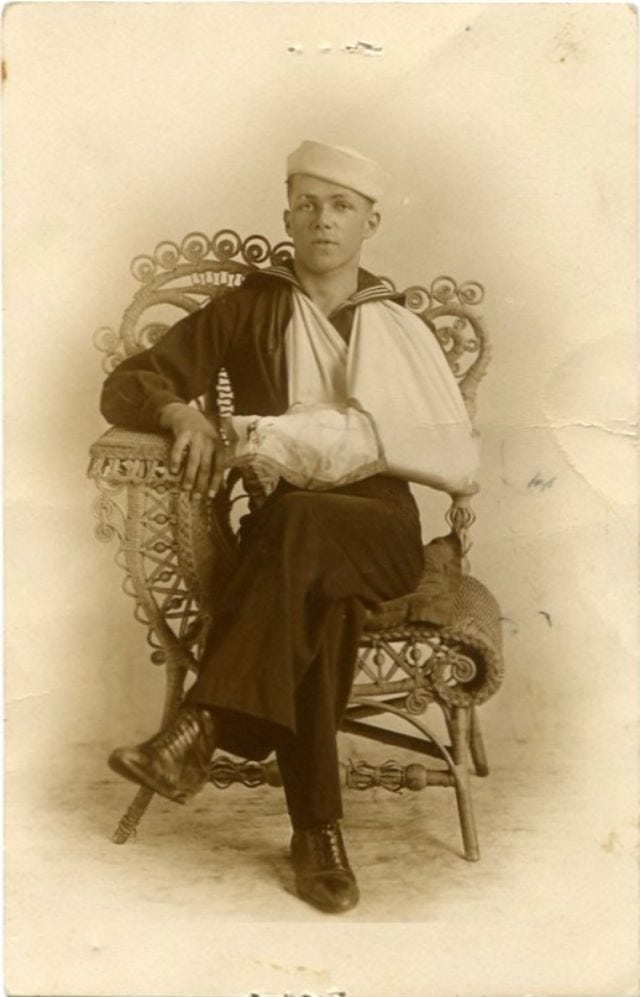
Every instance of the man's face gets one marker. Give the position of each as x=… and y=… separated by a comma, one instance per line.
x=327, y=223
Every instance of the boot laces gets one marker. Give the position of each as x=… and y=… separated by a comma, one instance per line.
x=178, y=736
x=328, y=846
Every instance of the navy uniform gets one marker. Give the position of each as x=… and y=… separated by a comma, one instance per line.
x=278, y=666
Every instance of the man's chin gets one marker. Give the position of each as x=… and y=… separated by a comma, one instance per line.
x=322, y=262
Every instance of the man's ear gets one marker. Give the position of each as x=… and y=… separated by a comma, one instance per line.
x=372, y=223
x=286, y=217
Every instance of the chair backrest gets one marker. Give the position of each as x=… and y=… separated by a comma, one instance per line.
x=178, y=279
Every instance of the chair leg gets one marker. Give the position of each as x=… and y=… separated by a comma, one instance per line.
x=134, y=814
x=476, y=745
x=128, y=824
x=459, y=728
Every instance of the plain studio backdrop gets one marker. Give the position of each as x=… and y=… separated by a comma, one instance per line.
x=510, y=134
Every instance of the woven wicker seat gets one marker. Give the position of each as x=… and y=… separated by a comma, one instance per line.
x=437, y=646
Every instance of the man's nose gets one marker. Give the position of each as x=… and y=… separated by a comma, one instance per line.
x=323, y=216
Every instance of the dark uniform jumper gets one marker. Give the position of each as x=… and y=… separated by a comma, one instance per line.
x=278, y=666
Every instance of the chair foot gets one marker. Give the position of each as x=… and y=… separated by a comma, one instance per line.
x=467, y=820
x=476, y=746
x=121, y=834
x=473, y=855
x=127, y=827
x=459, y=727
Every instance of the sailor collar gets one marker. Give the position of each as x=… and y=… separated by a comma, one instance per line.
x=369, y=288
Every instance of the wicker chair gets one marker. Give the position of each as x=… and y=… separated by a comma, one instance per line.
x=176, y=550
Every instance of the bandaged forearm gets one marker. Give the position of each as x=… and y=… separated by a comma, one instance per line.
x=323, y=446
x=310, y=446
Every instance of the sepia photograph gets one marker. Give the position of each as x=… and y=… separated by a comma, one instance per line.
x=320, y=521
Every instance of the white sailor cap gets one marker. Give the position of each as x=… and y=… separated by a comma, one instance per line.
x=338, y=165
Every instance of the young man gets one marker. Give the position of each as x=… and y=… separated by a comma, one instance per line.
x=278, y=667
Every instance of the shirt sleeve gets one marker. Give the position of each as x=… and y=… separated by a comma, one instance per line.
x=182, y=366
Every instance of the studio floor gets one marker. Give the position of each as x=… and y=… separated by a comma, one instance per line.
x=202, y=901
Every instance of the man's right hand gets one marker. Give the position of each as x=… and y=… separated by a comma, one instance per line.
x=197, y=445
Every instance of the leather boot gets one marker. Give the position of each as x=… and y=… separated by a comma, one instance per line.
x=324, y=877
x=174, y=762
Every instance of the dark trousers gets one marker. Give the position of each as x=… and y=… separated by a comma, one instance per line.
x=278, y=666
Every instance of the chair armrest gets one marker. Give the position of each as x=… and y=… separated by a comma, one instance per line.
x=122, y=456
x=195, y=528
